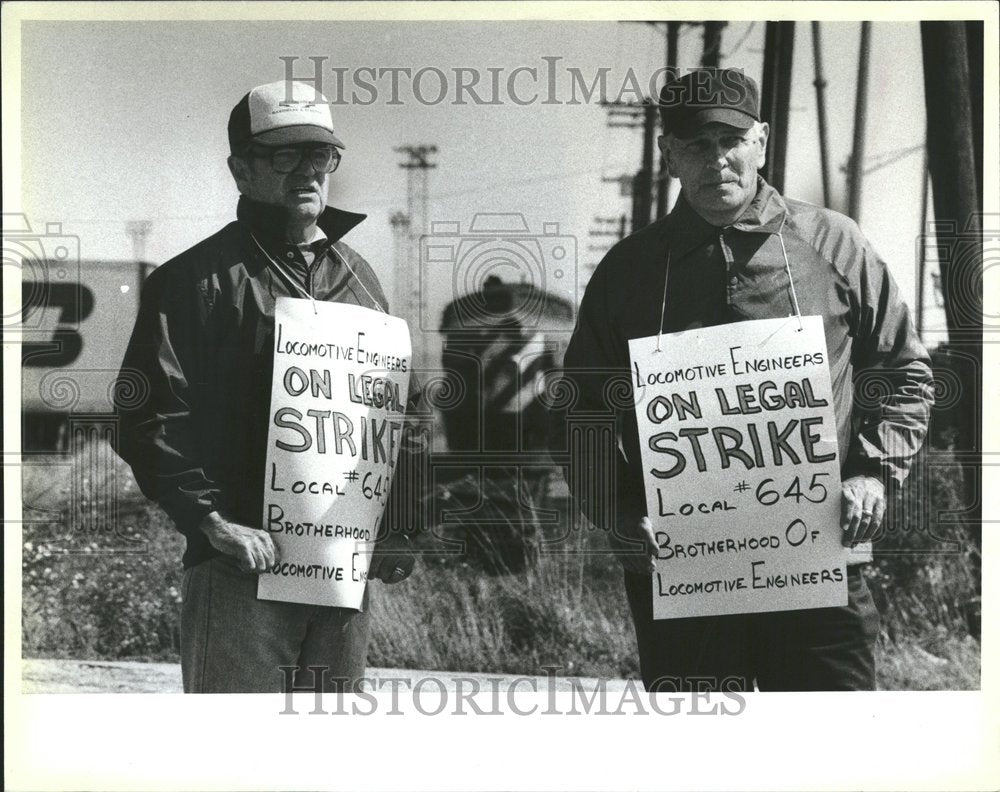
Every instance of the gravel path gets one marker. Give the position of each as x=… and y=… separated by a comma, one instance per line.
x=103, y=676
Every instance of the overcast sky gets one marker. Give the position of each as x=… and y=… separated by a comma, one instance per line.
x=127, y=121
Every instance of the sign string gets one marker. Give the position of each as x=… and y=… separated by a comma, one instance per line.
x=788, y=269
x=282, y=271
x=295, y=284
x=351, y=270
x=663, y=304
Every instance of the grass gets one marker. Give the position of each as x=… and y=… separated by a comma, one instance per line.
x=907, y=665
x=565, y=609
x=447, y=618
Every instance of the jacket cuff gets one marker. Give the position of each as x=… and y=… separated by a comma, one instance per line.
x=868, y=467
x=187, y=513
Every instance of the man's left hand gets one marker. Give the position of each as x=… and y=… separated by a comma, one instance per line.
x=392, y=561
x=862, y=509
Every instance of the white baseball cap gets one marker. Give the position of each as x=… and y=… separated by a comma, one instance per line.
x=282, y=113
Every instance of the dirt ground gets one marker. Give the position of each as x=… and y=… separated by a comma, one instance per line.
x=99, y=676
x=102, y=676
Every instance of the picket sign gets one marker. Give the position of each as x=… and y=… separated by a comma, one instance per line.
x=739, y=450
x=338, y=399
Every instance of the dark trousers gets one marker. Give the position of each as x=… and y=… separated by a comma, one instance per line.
x=819, y=649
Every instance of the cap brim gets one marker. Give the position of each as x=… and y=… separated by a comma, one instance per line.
x=716, y=115
x=291, y=135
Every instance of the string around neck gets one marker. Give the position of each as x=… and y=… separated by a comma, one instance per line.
x=350, y=269
x=280, y=268
x=788, y=270
x=663, y=303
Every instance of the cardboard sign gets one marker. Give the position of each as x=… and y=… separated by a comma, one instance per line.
x=338, y=400
x=739, y=451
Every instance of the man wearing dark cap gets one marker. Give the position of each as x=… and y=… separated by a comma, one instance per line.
x=733, y=250
x=202, y=347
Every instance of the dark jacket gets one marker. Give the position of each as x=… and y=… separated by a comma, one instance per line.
x=194, y=391
x=882, y=382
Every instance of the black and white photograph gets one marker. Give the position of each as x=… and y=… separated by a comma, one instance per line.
x=498, y=389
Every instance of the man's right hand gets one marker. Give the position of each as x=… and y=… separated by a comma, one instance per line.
x=254, y=550
x=638, y=555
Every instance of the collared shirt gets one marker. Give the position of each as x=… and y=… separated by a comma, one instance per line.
x=300, y=257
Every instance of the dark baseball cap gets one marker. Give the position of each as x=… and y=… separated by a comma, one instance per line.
x=702, y=96
x=281, y=114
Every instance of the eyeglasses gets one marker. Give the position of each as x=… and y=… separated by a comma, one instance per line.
x=323, y=159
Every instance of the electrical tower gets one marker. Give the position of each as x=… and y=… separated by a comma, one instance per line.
x=138, y=231
x=402, y=261
x=400, y=223
x=408, y=300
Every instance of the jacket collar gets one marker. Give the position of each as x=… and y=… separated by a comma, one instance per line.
x=686, y=229
x=268, y=221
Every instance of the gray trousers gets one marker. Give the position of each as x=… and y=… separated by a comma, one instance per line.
x=231, y=642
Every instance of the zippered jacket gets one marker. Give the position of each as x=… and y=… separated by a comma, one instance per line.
x=194, y=391
x=882, y=381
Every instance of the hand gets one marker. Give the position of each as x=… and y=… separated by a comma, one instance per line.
x=253, y=549
x=639, y=555
x=392, y=562
x=863, y=508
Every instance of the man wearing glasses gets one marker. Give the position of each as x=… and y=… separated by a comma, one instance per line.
x=202, y=347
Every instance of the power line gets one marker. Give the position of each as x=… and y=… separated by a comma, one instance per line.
x=550, y=177
x=740, y=43
x=159, y=218
x=884, y=160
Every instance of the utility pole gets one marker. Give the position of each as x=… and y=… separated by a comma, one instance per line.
x=634, y=116
x=403, y=262
x=624, y=182
x=712, y=48
x=644, y=115
x=138, y=231
x=623, y=115
x=663, y=180
x=605, y=227
x=776, y=92
x=922, y=256
x=671, y=33
x=609, y=226
x=416, y=164
x=614, y=227
x=645, y=206
x=820, y=83
x=860, y=118
x=952, y=158
x=952, y=57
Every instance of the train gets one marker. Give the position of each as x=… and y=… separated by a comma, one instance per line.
x=76, y=320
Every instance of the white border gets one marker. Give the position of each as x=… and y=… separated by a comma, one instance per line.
x=821, y=741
